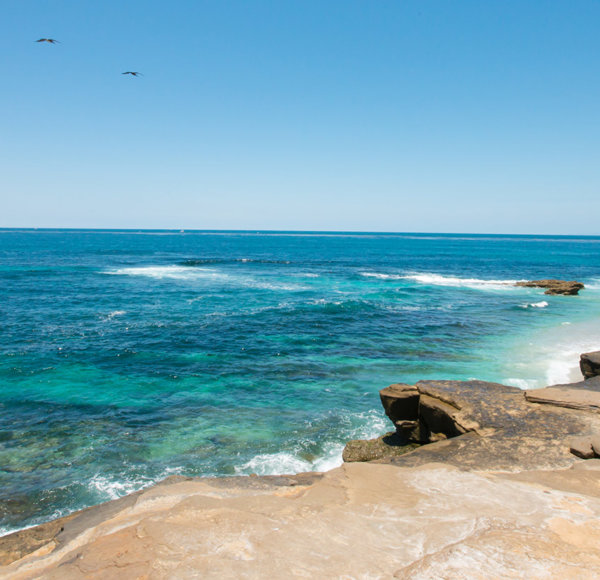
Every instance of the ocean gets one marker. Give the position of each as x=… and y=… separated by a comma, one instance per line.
x=129, y=356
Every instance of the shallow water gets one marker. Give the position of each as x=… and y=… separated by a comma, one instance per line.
x=129, y=356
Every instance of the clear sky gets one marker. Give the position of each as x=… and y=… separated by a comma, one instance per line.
x=404, y=115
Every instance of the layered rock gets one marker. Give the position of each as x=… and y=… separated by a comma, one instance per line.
x=564, y=287
x=478, y=425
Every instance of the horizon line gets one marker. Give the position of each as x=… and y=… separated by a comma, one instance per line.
x=31, y=229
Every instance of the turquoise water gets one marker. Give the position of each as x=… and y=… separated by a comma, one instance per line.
x=129, y=356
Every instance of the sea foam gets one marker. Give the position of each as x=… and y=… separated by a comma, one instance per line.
x=185, y=273
x=371, y=424
x=440, y=280
x=541, y=304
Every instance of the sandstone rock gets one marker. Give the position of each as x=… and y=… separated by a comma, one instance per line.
x=581, y=447
x=357, y=521
x=563, y=287
x=382, y=448
x=589, y=363
x=595, y=441
x=439, y=417
x=400, y=402
x=565, y=396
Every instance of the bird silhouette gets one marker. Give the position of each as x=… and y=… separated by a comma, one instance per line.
x=132, y=73
x=50, y=40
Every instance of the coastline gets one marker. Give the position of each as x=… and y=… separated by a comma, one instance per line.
x=500, y=485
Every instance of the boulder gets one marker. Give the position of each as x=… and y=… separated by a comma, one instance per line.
x=564, y=287
x=589, y=363
x=400, y=402
x=581, y=447
x=383, y=448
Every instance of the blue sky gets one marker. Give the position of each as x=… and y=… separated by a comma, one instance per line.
x=408, y=115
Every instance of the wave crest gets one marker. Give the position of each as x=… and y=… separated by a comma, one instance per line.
x=441, y=280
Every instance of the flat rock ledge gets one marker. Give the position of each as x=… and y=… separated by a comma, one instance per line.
x=484, y=481
x=564, y=287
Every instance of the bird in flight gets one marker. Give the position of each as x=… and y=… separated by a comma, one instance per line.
x=50, y=40
x=133, y=74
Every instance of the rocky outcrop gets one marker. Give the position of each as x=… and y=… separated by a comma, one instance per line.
x=384, y=447
x=479, y=425
x=589, y=363
x=564, y=287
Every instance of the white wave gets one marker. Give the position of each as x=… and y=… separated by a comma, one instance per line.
x=110, y=488
x=274, y=464
x=382, y=276
x=204, y=274
x=372, y=424
x=168, y=272
x=455, y=281
x=550, y=356
x=114, y=313
x=440, y=280
x=523, y=384
x=113, y=489
x=541, y=304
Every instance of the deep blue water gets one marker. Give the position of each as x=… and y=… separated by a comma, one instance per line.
x=129, y=356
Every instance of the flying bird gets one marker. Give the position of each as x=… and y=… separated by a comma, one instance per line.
x=133, y=74
x=50, y=40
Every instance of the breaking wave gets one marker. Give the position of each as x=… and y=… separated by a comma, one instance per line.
x=541, y=304
x=440, y=280
x=168, y=272
x=372, y=424
x=184, y=273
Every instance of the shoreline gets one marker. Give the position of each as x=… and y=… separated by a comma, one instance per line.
x=483, y=441
x=578, y=327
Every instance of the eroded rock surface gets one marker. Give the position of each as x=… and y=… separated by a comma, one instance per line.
x=358, y=521
x=564, y=287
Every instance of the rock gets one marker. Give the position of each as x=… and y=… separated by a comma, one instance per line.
x=581, y=447
x=596, y=445
x=359, y=520
x=589, y=363
x=563, y=287
x=477, y=425
x=565, y=396
x=384, y=447
x=440, y=418
x=400, y=402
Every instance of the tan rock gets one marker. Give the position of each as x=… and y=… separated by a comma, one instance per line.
x=571, y=398
x=357, y=521
x=581, y=447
